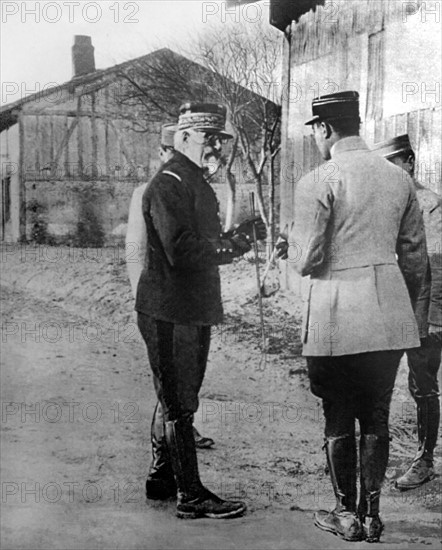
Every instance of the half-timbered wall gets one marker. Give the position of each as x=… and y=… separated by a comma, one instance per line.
x=81, y=153
x=79, y=163
x=69, y=136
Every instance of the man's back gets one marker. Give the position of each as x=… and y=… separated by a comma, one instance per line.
x=354, y=215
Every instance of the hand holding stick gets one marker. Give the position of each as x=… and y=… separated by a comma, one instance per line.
x=275, y=253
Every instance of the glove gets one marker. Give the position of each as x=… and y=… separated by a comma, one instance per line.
x=246, y=228
x=240, y=244
x=282, y=250
x=435, y=332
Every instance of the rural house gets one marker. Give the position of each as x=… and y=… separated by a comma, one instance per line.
x=72, y=154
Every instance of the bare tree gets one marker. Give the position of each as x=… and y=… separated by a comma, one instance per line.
x=247, y=58
x=230, y=64
x=156, y=84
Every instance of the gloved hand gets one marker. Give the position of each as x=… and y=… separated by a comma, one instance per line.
x=246, y=228
x=240, y=243
x=282, y=248
x=435, y=332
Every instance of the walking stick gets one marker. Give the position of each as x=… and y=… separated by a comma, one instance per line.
x=258, y=282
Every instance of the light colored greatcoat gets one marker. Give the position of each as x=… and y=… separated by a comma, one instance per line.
x=429, y=303
x=358, y=234
x=136, y=238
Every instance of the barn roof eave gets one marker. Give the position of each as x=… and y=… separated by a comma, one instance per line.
x=9, y=112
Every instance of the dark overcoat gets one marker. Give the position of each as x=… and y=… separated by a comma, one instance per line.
x=180, y=282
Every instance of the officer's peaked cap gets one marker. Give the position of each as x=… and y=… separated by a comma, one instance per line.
x=204, y=117
x=335, y=106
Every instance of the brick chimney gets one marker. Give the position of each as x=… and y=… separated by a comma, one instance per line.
x=83, y=61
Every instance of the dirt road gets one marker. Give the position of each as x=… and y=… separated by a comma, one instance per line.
x=77, y=401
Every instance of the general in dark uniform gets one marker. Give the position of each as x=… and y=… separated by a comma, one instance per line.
x=136, y=242
x=359, y=234
x=424, y=362
x=179, y=298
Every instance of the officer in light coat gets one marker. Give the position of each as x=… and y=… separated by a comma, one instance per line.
x=424, y=362
x=358, y=236
x=136, y=238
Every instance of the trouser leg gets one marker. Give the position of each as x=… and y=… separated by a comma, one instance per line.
x=341, y=460
x=424, y=364
x=377, y=378
x=374, y=452
x=428, y=419
x=181, y=443
x=178, y=357
x=329, y=380
x=160, y=466
x=160, y=482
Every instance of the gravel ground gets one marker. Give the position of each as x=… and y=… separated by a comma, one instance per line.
x=86, y=349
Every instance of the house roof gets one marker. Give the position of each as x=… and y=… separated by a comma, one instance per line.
x=9, y=112
x=87, y=83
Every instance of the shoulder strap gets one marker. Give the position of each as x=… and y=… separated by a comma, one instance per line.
x=168, y=173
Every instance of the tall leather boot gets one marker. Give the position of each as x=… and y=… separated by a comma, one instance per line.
x=194, y=500
x=374, y=451
x=421, y=469
x=341, y=460
x=160, y=483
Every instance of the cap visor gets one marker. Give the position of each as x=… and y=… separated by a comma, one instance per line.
x=170, y=127
x=312, y=121
x=225, y=135
x=211, y=130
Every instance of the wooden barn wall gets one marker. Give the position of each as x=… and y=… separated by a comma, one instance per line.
x=424, y=128
x=87, y=134
x=62, y=147
x=343, y=46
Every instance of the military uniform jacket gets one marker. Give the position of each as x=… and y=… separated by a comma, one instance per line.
x=180, y=282
x=429, y=302
x=358, y=235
